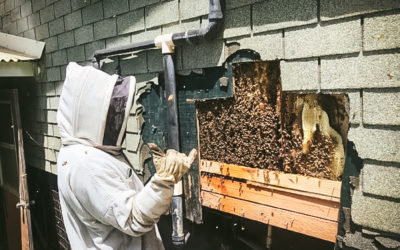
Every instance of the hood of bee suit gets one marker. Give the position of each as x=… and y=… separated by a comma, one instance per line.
x=94, y=107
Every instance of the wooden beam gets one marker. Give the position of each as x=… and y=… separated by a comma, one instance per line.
x=324, y=209
x=323, y=189
x=304, y=224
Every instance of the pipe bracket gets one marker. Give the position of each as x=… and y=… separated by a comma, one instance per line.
x=165, y=43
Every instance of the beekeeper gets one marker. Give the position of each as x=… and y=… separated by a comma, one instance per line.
x=104, y=204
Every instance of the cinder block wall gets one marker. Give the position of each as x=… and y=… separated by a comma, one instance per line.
x=331, y=46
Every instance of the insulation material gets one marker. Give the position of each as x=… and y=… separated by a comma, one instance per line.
x=261, y=127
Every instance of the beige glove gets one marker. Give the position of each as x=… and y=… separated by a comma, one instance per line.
x=172, y=164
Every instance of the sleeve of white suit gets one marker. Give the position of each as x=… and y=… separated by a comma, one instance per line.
x=109, y=200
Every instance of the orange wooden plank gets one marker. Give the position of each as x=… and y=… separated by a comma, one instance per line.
x=326, y=189
x=308, y=225
x=293, y=202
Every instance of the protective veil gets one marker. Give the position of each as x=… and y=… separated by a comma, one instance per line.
x=104, y=204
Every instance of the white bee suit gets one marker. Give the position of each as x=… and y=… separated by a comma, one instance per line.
x=104, y=204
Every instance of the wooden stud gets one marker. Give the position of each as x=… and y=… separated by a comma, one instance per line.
x=308, y=225
x=293, y=202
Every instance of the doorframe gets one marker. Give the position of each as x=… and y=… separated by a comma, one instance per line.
x=11, y=95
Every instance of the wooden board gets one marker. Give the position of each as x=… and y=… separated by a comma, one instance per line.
x=324, y=209
x=297, y=222
x=307, y=186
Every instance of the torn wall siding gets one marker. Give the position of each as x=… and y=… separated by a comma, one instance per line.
x=330, y=45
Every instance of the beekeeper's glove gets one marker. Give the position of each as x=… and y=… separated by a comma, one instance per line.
x=172, y=165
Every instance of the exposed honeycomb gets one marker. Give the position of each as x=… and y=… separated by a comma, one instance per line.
x=260, y=126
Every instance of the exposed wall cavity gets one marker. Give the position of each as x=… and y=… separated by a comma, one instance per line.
x=262, y=127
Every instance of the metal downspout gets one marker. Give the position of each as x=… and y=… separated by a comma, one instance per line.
x=167, y=43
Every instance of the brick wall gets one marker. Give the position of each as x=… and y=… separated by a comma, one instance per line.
x=332, y=46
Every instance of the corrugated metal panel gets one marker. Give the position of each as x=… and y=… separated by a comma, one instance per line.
x=7, y=55
x=15, y=48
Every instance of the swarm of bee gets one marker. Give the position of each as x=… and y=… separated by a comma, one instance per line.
x=253, y=129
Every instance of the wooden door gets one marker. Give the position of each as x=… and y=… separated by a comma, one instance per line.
x=13, y=182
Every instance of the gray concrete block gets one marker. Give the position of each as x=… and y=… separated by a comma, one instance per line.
x=355, y=107
x=387, y=242
x=76, y=54
x=50, y=155
x=66, y=40
x=77, y=4
x=357, y=241
x=155, y=61
x=132, y=125
x=73, y=20
x=53, y=142
x=6, y=19
x=333, y=9
x=22, y=25
x=84, y=34
x=237, y=22
x=42, y=31
x=51, y=44
x=381, y=180
x=118, y=41
x=33, y=20
x=16, y=14
x=53, y=74
x=18, y=2
x=9, y=5
x=181, y=27
x=376, y=144
x=58, y=85
x=92, y=13
x=162, y=13
x=12, y=28
x=382, y=32
x=62, y=8
x=131, y=22
x=272, y=15
x=134, y=160
x=47, y=14
x=48, y=2
x=90, y=48
x=372, y=71
x=30, y=34
x=137, y=63
x=115, y=7
x=48, y=61
x=26, y=9
x=233, y=4
x=194, y=8
x=2, y=9
x=145, y=36
x=48, y=90
x=38, y=5
x=209, y=54
x=105, y=28
x=136, y=4
x=269, y=45
x=302, y=75
x=382, y=108
x=375, y=213
x=56, y=27
x=132, y=142
x=59, y=57
x=340, y=38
